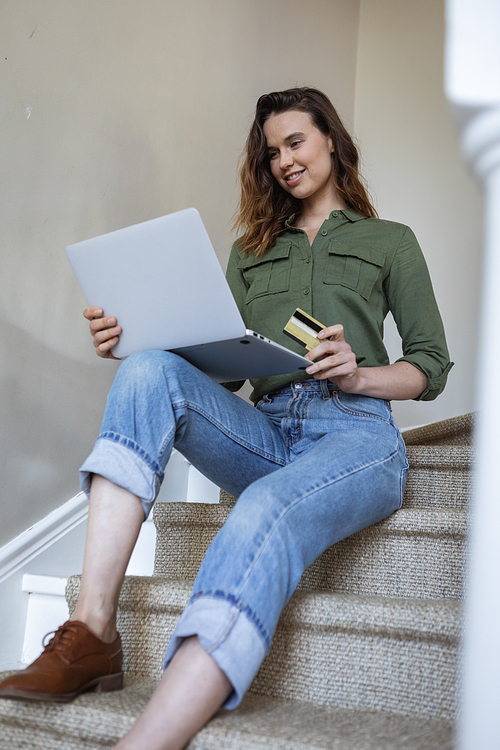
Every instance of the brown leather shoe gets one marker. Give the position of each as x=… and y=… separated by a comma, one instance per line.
x=74, y=661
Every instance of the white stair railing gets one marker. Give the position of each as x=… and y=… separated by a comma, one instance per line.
x=472, y=82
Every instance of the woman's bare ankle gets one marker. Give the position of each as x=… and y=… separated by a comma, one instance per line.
x=104, y=627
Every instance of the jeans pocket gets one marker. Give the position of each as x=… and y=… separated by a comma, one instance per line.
x=362, y=406
x=264, y=401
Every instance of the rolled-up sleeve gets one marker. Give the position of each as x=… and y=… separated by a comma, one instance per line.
x=411, y=300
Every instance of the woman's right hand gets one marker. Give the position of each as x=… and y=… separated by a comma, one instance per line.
x=104, y=331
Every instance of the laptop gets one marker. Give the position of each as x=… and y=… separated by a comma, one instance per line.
x=163, y=282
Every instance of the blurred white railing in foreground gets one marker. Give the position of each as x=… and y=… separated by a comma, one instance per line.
x=472, y=82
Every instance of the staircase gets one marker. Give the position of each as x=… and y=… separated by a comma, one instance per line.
x=365, y=656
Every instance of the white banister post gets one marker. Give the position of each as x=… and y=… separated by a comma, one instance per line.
x=472, y=82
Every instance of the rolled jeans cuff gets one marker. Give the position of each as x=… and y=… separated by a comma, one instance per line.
x=124, y=465
x=228, y=635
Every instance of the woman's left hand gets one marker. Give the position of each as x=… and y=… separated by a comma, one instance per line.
x=338, y=361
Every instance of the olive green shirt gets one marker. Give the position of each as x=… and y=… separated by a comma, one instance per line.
x=354, y=273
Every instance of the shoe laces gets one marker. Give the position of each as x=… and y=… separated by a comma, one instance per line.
x=63, y=637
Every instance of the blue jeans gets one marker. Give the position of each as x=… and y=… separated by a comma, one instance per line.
x=311, y=465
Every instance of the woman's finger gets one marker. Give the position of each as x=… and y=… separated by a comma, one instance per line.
x=93, y=312
x=105, y=346
x=329, y=363
x=101, y=324
x=335, y=333
x=101, y=337
x=327, y=348
x=104, y=331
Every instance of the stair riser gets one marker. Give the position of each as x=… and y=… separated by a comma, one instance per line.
x=355, y=671
x=421, y=567
x=430, y=487
x=371, y=562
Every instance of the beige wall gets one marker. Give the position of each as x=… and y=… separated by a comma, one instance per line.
x=112, y=113
x=412, y=161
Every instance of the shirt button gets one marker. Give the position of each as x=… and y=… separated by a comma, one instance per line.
x=308, y=260
x=324, y=232
x=306, y=290
x=335, y=214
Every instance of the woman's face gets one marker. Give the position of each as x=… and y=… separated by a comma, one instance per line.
x=299, y=155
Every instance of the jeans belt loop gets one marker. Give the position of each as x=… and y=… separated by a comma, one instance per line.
x=324, y=388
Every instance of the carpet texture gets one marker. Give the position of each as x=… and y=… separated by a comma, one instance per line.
x=365, y=656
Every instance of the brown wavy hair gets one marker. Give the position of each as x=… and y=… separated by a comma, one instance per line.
x=264, y=204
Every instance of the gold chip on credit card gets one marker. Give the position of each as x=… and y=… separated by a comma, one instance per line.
x=303, y=329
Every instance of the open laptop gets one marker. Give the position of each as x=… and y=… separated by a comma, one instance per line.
x=162, y=281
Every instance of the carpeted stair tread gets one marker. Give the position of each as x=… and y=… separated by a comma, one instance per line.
x=430, y=522
x=375, y=615
x=413, y=553
x=172, y=515
x=92, y=722
x=417, y=619
x=363, y=652
x=262, y=723
x=454, y=431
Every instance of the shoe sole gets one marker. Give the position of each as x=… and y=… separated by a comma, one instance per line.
x=105, y=684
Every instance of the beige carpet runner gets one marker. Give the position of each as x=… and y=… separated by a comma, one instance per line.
x=365, y=655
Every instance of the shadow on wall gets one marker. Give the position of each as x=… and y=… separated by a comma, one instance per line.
x=50, y=413
x=117, y=185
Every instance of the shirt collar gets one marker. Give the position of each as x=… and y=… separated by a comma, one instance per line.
x=289, y=222
x=350, y=213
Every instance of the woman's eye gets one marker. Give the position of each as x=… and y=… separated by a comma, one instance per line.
x=273, y=155
x=294, y=144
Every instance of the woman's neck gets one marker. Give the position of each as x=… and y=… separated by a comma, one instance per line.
x=315, y=210
x=314, y=213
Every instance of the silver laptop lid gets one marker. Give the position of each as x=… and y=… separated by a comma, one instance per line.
x=162, y=281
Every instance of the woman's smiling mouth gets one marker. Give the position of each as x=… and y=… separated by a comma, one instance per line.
x=293, y=178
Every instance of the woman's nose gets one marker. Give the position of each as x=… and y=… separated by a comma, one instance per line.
x=286, y=160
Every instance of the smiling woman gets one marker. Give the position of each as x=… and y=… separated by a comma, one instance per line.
x=301, y=162
x=264, y=206
x=318, y=459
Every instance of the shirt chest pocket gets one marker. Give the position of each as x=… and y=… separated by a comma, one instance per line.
x=269, y=274
x=356, y=267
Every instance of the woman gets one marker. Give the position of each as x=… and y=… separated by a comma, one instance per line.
x=318, y=459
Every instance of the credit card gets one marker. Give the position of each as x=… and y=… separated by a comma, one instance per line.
x=303, y=329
